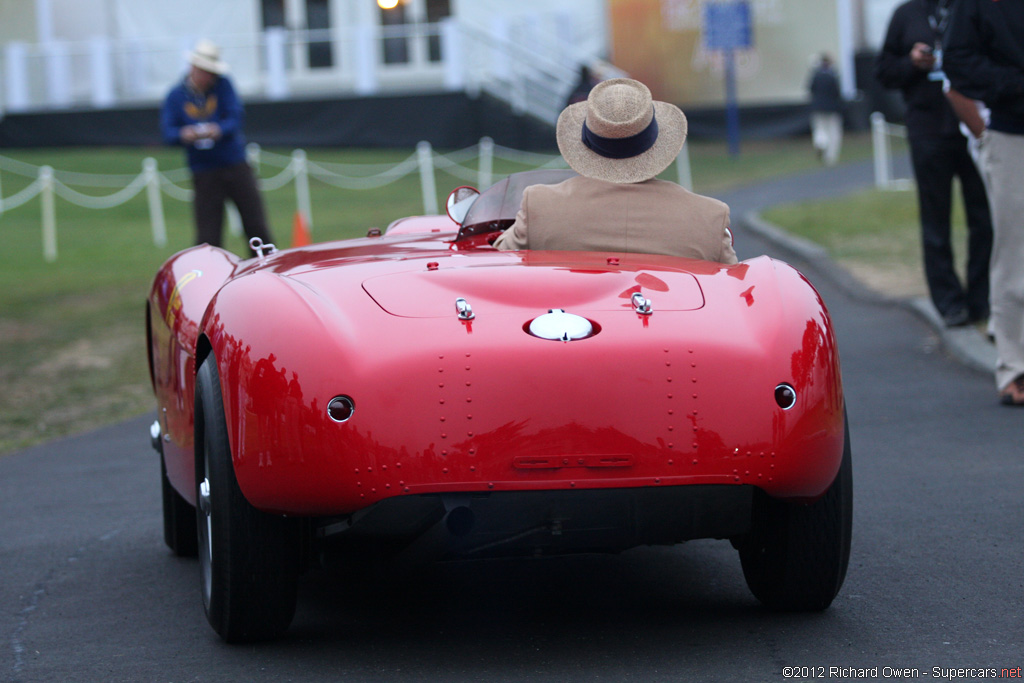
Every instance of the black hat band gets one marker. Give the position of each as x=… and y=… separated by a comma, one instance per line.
x=621, y=148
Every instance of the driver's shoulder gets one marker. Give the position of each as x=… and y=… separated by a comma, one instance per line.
x=554, y=191
x=679, y=192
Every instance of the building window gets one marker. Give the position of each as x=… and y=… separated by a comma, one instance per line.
x=400, y=30
x=396, y=40
x=436, y=11
x=313, y=15
x=273, y=13
x=318, y=19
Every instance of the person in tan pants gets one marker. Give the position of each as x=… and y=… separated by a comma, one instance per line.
x=984, y=60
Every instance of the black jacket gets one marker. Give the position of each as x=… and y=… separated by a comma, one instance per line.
x=985, y=58
x=824, y=88
x=928, y=111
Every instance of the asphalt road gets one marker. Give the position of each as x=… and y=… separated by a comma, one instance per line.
x=89, y=592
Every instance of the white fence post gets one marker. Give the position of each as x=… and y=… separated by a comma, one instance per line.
x=252, y=156
x=486, y=163
x=880, y=145
x=302, y=199
x=156, y=205
x=424, y=153
x=683, y=168
x=49, y=214
x=234, y=220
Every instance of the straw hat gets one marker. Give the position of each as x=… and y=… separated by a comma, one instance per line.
x=206, y=56
x=620, y=134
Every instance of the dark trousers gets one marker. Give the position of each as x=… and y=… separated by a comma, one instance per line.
x=936, y=161
x=213, y=188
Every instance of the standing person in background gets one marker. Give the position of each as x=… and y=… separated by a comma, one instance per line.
x=826, y=111
x=585, y=81
x=910, y=60
x=203, y=113
x=985, y=61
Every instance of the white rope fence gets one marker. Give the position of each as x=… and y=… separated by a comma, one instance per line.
x=882, y=133
x=295, y=168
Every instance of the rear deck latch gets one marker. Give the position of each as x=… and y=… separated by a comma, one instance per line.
x=641, y=304
x=464, y=310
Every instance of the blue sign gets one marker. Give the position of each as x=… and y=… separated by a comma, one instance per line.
x=727, y=25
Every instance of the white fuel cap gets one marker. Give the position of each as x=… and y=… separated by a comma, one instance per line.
x=558, y=325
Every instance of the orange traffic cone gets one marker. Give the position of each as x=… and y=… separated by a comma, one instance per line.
x=300, y=231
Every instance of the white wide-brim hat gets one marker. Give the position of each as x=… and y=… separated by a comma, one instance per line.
x=206, y=56
x=620, y=134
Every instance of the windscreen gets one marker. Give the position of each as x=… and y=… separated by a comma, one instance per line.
x=495, y=209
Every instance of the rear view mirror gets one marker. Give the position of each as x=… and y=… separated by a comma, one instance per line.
x=460, y=201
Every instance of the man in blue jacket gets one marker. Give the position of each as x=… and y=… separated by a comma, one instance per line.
x=203, y=114
x=985, y=61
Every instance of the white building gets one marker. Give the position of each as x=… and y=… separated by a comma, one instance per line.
x=103, y=53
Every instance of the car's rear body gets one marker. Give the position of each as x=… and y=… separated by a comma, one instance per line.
x=421, y=392
x=678, y=397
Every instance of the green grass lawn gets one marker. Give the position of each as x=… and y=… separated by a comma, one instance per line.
x=875, y=234
x=72, y=350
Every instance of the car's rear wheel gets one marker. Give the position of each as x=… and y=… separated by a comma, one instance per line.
x=179, y=519
x=249, y=560
x=795, y=556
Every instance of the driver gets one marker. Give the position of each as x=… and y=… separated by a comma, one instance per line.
x=618, y=140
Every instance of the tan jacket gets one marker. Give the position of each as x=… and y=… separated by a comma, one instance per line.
x=652, y=217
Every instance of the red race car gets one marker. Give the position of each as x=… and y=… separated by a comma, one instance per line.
x=423, y=388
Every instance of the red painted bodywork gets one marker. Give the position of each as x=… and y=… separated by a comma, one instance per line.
x=684, y=396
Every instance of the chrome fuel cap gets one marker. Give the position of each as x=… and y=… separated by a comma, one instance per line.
x=558, y=325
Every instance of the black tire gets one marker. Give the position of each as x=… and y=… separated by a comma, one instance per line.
x=795, y=556
x=249, y=560
x=180, y=533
